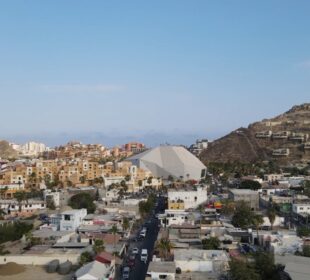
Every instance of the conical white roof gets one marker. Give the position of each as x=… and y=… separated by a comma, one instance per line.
x=176, y=161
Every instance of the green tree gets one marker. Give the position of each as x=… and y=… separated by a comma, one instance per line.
x=50, y=203
x=114, y=231
x=306, y=187
x=303, y=231
x=83, y=200
x=306, y=251
x=15, y=231
x=243, y=216
x=164, y=246
x=127, y=178
x=47, y=180
x=85, y=257
x=201, y=210
x=265, y=265
x=242, y=270
x=212, y=243
x=257, y=222
x=250, y=184
x=125, y=224
x=97, y=195
x=20, y=197
x=3, y=191
x=228, y=207
x=98, y=246
x=271, y=213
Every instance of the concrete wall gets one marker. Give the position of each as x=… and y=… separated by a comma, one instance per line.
x=38, y=259
x=194, y=265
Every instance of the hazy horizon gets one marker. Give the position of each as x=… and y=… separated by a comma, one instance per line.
x=164, y=71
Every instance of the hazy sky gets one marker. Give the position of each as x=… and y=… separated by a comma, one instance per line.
x=173, y=69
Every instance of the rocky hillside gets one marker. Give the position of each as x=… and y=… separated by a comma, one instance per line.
x=6, y=151
x=285, y=138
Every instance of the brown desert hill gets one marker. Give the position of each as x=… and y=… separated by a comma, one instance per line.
x=285, y=138
x=6, y=151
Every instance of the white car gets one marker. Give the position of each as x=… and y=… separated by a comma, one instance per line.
x=144, y=255
x=135, y=251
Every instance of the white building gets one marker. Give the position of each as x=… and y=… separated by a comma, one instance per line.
x=176, y=217
x=273, y=177
x=111, y=195
x=30, y=148
x=161, y=270
x=33, y=148
x=54, y=196
x=72, y=219
x=108, y=181
x=30, y=206
x=295, y=181
x=300, y=208
x=166, y=161
x=201, y=260
x=95, y=271
x=191, y=197
x=281, y=242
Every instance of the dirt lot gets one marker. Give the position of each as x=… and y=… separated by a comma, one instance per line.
x=13, y=271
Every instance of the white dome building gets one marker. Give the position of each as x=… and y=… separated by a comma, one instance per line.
x=164, y=161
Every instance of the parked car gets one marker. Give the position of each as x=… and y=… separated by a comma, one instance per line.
x=144, y=255
x=135, y=250
x=126, y=272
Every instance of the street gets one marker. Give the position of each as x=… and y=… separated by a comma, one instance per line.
x=138, y=272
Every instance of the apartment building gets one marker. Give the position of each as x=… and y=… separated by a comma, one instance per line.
x=187, y=198
x=72, y=219
x=249, y=196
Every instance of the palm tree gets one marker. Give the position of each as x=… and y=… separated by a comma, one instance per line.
x=98, y=246
x=164, y=246
x=114, y=232
x=3, y=191
x=20, y=197
x=125, y=224
x=257, y=222
x=201, y=210
x=271, y=213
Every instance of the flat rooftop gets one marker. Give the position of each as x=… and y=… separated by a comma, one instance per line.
x=168, y=267
x=243, y=191
x=199, y=255
x=298, y=267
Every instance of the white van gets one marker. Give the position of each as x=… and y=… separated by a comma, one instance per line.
x=144, y=255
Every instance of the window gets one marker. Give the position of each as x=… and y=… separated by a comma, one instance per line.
x=67, y=218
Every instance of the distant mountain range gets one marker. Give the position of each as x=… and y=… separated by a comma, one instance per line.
x=284, y=138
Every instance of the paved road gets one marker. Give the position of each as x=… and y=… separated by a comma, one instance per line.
x=139, y=271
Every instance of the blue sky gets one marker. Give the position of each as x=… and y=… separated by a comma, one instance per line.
x=108, y=71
